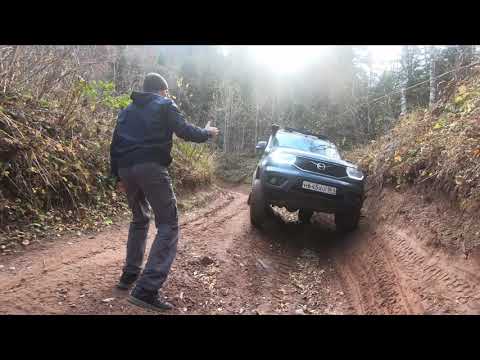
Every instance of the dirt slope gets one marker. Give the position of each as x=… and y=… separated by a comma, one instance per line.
x=397, y=264
x=224, y=266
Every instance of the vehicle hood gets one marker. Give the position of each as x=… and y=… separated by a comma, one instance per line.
x=314, y=156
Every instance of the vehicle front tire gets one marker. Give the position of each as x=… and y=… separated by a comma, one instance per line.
x=304, y=216
x=347, y=221
x=259, y=208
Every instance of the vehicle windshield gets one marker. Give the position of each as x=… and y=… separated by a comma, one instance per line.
x=305, y=143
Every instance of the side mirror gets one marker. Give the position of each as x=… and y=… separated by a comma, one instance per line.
x=261, y=146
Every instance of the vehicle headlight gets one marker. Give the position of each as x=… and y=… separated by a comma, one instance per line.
x=282, y=158
x=354, y=173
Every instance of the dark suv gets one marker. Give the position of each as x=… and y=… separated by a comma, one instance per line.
x=303, y=171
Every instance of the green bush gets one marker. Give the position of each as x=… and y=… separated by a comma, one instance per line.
x=103, y=92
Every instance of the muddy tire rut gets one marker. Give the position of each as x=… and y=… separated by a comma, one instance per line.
x=225, y=266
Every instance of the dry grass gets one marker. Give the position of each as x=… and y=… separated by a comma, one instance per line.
x=236, y=168
x=54, y=173
x=437, y=152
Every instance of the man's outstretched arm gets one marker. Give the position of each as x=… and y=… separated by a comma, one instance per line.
x=187, y=131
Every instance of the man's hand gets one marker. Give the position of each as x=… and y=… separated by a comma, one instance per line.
x=121, y=187
x=213, y=131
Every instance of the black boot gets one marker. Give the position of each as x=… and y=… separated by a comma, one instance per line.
x=126, y=281
x=149, y=300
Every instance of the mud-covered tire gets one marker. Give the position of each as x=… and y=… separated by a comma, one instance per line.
x=347, y=221
x=304, y=216
x=259, y=208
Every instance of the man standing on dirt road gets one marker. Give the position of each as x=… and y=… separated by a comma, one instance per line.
x=140, y=156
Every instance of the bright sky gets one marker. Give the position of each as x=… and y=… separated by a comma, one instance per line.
x=383, y=56
x=286, y=58
x=291, y=58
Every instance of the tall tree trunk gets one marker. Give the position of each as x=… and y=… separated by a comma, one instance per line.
x=242, y=147
x=273, y=110
x=464, y=57
x=433, y=90
x=256, y=123
x=121, y=85
x=404, y=79
x=225, y=132
x=115, y=75
x=369, y=85
x=227, y=120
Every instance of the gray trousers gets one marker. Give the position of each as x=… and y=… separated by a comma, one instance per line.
x=150, y=183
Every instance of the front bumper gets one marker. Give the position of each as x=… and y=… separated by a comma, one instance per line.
x=290, y=194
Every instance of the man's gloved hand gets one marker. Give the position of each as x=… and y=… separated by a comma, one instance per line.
x=213, y=131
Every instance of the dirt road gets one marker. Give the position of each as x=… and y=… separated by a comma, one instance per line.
x=224, y=266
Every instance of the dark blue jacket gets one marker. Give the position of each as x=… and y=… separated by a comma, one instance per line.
x=144, y=130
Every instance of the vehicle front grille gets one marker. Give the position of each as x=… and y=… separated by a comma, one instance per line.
x=333, y=170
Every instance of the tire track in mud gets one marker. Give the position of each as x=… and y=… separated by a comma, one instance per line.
x=209, y=211
x=285, y=268
x=383, y=268
x=87, y=268
x=248, y=272
x=442, y=287
x=387, y=271
x=354, y=289
x=292, y=272
x=371, y=276
x=270, y=272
